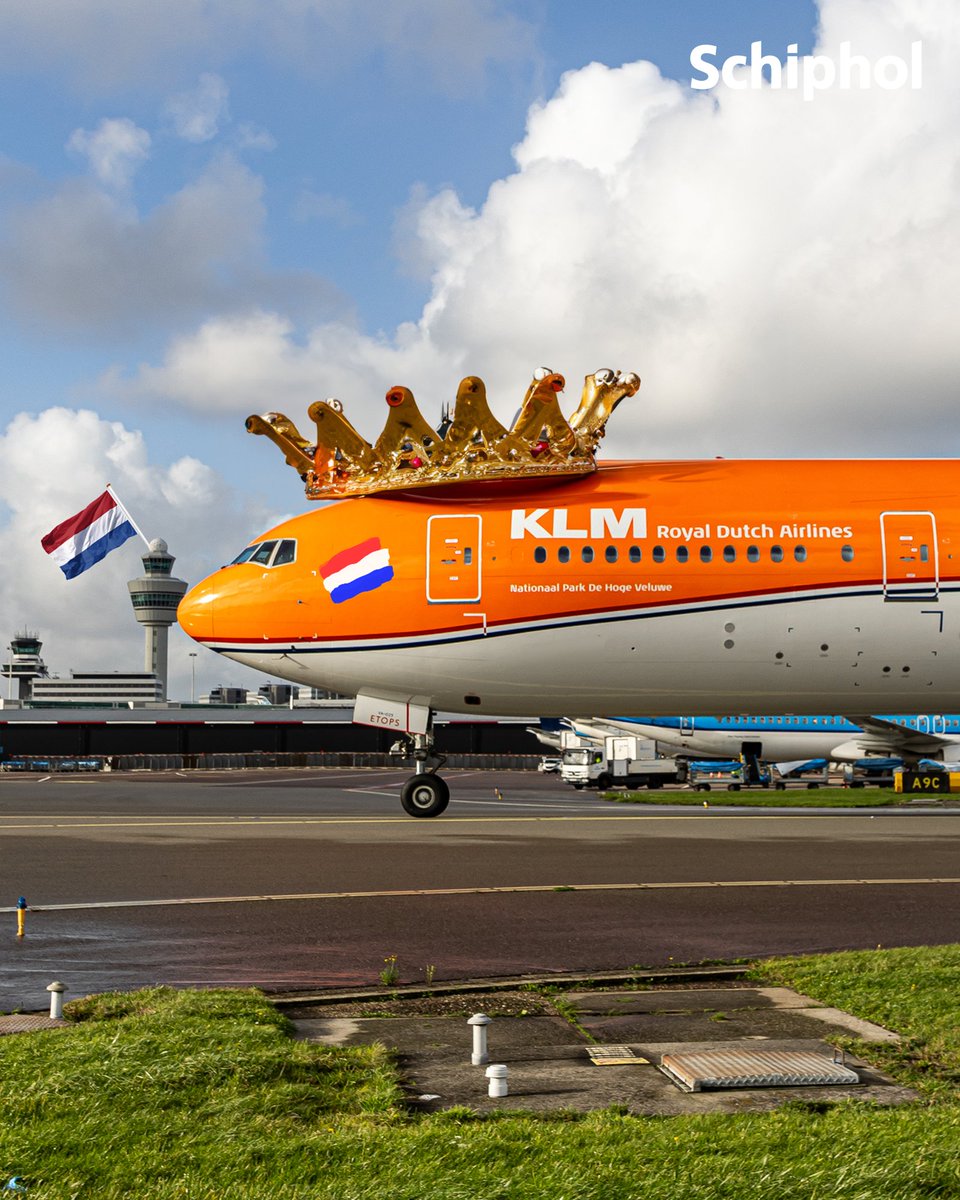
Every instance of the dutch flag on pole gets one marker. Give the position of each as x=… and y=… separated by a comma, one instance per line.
x=362, y=568
x=83, y=539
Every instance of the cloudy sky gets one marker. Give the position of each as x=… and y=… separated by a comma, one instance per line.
x=210, y=208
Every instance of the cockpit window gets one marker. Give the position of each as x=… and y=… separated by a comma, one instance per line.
x=263, y=554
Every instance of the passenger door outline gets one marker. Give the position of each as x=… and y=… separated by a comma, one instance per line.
x=911, y=565
x=454, y=558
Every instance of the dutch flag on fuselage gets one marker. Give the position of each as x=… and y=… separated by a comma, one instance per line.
x=362, y=568
x=89, y=535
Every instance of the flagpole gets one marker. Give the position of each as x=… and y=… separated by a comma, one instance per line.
x=127, y=513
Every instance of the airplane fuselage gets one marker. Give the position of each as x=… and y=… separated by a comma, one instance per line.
x=792, y=737
x=702, y=587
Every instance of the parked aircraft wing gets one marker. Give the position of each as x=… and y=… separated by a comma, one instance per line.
x=901, y=737
x=546, y=737
x=882, y=736
x=592, y=730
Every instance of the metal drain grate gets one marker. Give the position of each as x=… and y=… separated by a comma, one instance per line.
x=707, y=1070
x=613, y=1056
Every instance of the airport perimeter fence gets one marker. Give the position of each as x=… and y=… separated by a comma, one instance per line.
x=256, y=760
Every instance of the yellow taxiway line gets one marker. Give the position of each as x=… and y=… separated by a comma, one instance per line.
x=507, y=889
x=53, y=821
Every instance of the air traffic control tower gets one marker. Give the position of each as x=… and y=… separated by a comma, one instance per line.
x=155, y=596
x=25, y=664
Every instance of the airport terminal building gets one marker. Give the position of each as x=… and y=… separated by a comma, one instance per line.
x=121, y=719
x=199, y=735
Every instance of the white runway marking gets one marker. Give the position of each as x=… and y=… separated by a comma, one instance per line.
x=371, y=792
x=310, y=781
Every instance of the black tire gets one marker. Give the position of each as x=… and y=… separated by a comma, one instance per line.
x=604, y=782
x=425, y=796
x=733, y=787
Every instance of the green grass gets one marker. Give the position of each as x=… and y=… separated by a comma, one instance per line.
x=911, y=989
x=719, y=797
x=203, y=1095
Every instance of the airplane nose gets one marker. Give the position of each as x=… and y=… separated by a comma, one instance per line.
x=195, y=612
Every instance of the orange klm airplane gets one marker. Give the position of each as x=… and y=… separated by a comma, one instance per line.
x=482, y=569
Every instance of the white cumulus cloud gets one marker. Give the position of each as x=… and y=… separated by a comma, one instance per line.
x=85, y=260
x=252, y=137
x=55, y=462
x=780, y=271
x=114, y=150
x=196, y=115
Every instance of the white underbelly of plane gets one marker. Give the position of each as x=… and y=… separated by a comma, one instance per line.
x=840, y=654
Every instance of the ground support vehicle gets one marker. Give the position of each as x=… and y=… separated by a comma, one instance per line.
x=812, y=774
x=620, y=761
x=703, y=775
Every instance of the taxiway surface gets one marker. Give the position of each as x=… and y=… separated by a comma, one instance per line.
x=308, y=879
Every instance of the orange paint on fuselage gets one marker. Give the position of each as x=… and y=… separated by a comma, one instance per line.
x=714, y=530
x=868, y=545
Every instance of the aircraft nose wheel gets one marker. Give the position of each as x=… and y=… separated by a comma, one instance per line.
x=425, y=796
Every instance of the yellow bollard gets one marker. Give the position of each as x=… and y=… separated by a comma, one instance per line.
x=21, y=916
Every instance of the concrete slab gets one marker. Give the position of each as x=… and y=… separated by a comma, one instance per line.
x=720, y=1026
x=29, y=1023
x=866, y=1031
x=770, y=1012
x=448, y=1037
x=661, y=1000
x=549, y=1067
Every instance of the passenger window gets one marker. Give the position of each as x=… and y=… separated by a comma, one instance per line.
x=659, y=554
x=246, y=555
x=610, y=554
x=635, y=554
x=847, y=554
x=587, y=554
x=467, y=556
x=729, y=554
x=286, y=552
x=682, y=554
x=776, y=554
x=706, y=554
x=753, y=554
x=540, y=554
x=924, y=553
x=264, y=550
x=800, y=553
x=563, y=554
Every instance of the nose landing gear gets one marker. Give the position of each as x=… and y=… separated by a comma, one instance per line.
x=425, y=794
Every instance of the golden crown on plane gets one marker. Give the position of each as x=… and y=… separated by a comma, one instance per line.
x=470, y=445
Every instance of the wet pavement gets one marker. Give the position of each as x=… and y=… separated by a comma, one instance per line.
x=311, y=879
x=548, y=1053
